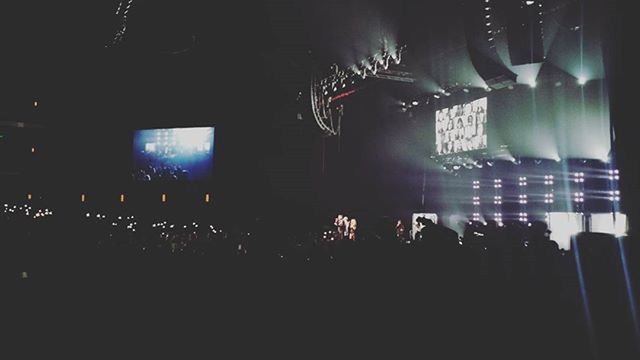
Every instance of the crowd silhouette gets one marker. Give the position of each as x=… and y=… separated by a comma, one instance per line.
x=502, y=290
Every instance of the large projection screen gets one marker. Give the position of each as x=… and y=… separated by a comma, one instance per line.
x=173, y=155
x=462, y=128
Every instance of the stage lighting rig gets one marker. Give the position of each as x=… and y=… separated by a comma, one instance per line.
x=340, y=83
x=615, y=196
x=122, y=13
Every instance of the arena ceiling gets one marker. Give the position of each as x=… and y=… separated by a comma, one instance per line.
x=196, y=59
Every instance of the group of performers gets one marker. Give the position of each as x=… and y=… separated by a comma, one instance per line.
x=345, y=228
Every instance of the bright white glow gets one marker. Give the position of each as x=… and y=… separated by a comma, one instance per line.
x=529, y=2
x=533, y=84
x=605, y=223
x=192, y=137
x=467, y=119
x=415, y=103
x=582, y=80
x=563, y=226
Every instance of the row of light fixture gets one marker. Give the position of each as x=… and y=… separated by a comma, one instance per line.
x=341, y=78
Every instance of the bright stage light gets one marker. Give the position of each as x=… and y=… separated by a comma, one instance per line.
x=529, y=2
x=610, y=224
x=533, y=84
x=415, y=103
x=582, y=80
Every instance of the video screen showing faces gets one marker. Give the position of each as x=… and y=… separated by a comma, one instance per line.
x=462, y=128
x=173, y=155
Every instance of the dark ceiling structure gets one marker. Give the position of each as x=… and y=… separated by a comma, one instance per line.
x=125, y=64
x=111, y=52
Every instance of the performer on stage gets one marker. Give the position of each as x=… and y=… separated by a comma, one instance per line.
x=344, y=231
x=340, y=225
x=400, y=232
x=353, y=225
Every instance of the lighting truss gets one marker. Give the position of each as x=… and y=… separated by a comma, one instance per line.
x=340, y=83
x=122, y=12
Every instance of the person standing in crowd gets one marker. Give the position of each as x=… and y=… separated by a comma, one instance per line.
x=439, y=236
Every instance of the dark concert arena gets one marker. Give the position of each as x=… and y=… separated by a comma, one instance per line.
x=429, y=179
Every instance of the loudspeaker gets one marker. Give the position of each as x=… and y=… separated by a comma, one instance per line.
x=481, y=44
x=525, y=31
